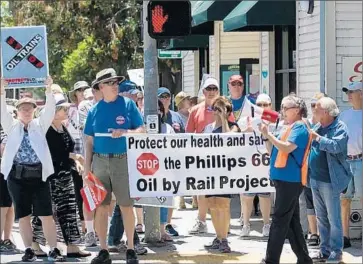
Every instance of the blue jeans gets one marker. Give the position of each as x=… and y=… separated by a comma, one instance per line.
x=327, y=208
x=163, y=215
x=355, y=185
x=117, y=229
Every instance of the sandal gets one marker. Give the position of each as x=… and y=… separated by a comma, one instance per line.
x=139, y=229
x=314, y=240
x=40, y=253
x=79, y=254
x=166, y=238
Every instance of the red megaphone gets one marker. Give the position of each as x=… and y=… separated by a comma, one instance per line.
x=265, y=114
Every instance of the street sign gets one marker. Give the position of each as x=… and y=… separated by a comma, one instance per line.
x=169, y=54
x=152, y=124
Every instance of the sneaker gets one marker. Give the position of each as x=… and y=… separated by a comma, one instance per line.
x=131, y=257
x=246, y=229
x=139, y=229
x=319, y=257
x=118, y=248
x=29, y=255
x=55, y=256
x=224, y=247
x=90, y=240
x=140, y=249
x=6, y=245
x=199, y=228
x=314, y=240
x=266, y=230
x=334, y=258
x=170, y=230
x=347, y=242
x=103, y=257
x=214, y=245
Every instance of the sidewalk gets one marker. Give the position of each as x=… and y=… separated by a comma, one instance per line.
x=189, y=249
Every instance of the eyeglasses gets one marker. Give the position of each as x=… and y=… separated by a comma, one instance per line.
x=284, y=108
x=111, y=83
x=211, y=88
x=81, y=90
x=164, y=96
x=216, y=109
x=263, y=105
x=313, y=105
x=62, y=107
x=237, y=83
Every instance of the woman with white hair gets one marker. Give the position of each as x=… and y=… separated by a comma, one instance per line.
x=288, y=170
x=329, y=176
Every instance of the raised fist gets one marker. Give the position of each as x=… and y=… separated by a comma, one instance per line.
x=158, y=19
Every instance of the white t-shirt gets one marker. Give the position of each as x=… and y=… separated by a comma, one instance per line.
x=167, y=129
x=353, y=119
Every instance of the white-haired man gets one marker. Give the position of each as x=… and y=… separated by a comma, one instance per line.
x=353, y=119
x=329, y=176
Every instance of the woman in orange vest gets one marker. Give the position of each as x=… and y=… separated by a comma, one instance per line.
x=289, y=154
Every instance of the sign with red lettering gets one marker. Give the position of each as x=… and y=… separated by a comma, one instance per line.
x=351, y=72
x=147, y=164
x=24, y=56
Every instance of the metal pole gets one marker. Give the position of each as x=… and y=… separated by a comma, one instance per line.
x=152, y=214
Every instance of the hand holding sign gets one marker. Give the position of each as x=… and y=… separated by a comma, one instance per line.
x=4, y=84
x=117, y=133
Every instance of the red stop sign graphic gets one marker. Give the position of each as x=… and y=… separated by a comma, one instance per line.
x=147, y=164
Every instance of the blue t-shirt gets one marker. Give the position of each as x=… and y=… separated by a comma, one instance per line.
x=175, y=121
x=237, y=104
x=318, y=163
x=299, y=135
x=119, y=114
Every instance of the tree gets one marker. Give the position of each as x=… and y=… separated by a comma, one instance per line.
x=85, y=36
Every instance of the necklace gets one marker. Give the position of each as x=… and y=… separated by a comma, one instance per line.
x=60, y=130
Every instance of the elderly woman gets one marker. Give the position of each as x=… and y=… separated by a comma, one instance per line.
x=61, y=146
x=219, y=205
x=26, y=165
x=330, y=174
x=289, y=153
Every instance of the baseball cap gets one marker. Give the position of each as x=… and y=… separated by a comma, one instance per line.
x=180, y=97
x=163, y=90
x=26, y=100
x=60, y=100
x=126, y=86
x=353, y=86
x=210, y=81
x=236, y=77
x=263, y=98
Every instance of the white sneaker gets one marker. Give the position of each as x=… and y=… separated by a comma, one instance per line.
x=90, y=240
x=199, y=228
x=246, y=229
x=266, y=230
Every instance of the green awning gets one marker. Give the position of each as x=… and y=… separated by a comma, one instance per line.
x=209, y=11
x=191, y=42
x=260, y=16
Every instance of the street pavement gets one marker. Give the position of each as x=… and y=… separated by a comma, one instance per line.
x=189, y=249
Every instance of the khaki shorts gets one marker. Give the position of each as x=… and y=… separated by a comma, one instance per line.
x=113, y=173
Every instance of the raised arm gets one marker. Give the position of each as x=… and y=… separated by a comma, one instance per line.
x=7, y=119
x=48, y=112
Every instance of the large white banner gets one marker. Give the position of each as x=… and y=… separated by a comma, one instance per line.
x=197, y=164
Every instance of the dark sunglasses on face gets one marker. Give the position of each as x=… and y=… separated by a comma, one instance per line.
x=211, y=88
x=81, y=89
x=263, y=105
x=164, y=96
x=237, y=83
x=111, y=83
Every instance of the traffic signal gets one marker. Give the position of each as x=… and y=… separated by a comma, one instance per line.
x=168, y=19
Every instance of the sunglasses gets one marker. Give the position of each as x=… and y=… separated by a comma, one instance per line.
x=216, y=109
x=263, y=105
x=313, y=105
x=164, y=96
x=237, y=83
x=211, y=88
x=81, y=90
x=111, y=83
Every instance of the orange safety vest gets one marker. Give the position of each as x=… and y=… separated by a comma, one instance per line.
x=281, y=159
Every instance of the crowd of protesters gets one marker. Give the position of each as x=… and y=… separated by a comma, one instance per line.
x=316, y=168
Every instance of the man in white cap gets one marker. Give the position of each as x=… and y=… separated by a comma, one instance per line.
x=200, y=116
x=353, y=119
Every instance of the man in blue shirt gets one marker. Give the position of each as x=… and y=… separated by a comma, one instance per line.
x=114, y=115
x=287, y=158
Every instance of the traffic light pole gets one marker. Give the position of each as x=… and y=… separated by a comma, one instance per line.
x=152, y=214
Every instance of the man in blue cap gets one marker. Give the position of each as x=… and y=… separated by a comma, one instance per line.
x=172, y=118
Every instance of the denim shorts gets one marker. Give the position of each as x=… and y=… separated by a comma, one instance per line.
x=355, y=185
x=263, y=195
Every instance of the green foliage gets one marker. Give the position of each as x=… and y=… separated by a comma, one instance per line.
x=84, y=36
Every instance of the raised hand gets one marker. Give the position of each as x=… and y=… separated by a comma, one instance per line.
x=158, y=19
x=48, y=84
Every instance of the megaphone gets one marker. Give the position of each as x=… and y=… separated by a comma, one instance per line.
x=265, y=114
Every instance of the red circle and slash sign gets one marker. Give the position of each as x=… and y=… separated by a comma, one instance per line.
x=147, y=164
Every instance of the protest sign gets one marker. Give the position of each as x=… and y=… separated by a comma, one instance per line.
x=24, y=56
x=93, y=196
x=197, y=164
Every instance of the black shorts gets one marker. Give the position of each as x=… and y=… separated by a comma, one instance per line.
x=309, y=198
x=5, y=199
x=30, y=197
x=219, y=196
